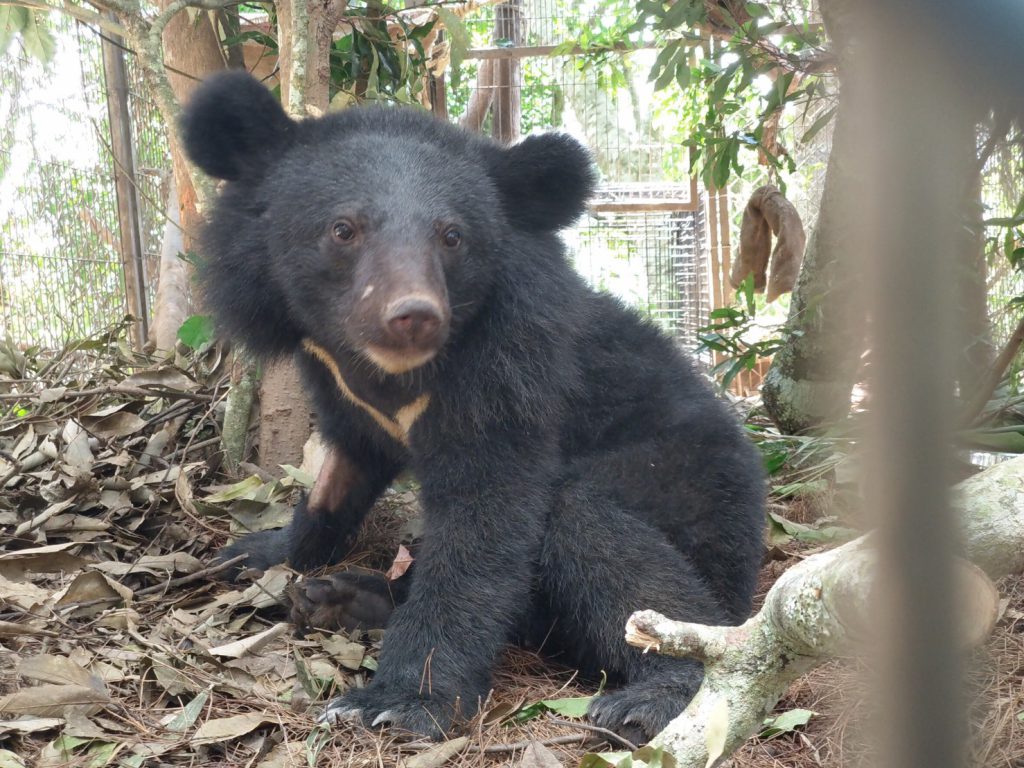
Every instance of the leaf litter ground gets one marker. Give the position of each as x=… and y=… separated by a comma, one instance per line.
x=118, y=645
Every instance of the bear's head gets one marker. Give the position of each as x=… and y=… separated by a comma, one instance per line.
x=378, y=231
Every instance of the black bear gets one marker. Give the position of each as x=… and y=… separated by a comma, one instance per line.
x=574, y=466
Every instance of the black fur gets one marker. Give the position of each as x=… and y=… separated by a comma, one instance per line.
x=574, y=466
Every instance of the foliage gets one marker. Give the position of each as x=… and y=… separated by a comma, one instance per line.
x=786, y=722
x=742, y=67
x=196, y=332
x=730, y=334
x=28, y=26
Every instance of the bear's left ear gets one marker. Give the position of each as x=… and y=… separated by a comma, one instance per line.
x=233, y=127
x=544, y=181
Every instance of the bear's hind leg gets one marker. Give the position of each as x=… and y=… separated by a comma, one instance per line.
x=599, y=565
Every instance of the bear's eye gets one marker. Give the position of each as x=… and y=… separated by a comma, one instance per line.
x=343, y=232
x=452, y=237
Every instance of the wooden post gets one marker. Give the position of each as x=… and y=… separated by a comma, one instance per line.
x=128, y=219
x=725, y=240
x=508, y=28
x=438, y=96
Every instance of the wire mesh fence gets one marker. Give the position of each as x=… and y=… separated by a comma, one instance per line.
x=61, y=274
x=644, y=237
x=1002, y=191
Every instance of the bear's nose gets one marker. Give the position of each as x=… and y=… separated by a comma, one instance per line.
x=414, y=320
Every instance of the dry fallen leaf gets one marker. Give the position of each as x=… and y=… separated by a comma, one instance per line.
x=437, y=755
x=119, y=424
x=344, y=651
x=30, y=724
x=22, y=594
x=51, y=558
x=251, y=644
x=227, y=728
x=402, y=562
x=48, y=668
x=91, y=592
x=54, y=701
x=536, y=755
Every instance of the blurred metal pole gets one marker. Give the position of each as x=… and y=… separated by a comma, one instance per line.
x=914, y=133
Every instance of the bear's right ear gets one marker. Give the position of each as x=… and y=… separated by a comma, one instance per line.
x=233, y=127
x=544, y=181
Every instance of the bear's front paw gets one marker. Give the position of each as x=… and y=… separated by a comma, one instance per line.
x=351, y=600
x=376, y=706
x=637, y=712
x=262, y=550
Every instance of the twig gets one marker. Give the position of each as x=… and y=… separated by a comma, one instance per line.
x=516, y=746
x=188, y=579
x=116, y=389
x=12, y=473
x=497, y=749
x=608, y=734
x=992, y=378
x=30, y=525
x=81, y=14
x=183, y=452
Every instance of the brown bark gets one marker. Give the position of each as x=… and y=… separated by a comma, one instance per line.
x=305, y=28
x=192, y=49
x=191, y=52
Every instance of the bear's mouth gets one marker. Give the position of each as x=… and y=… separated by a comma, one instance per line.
x=396, y=361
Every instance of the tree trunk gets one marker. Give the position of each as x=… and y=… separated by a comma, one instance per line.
x=191, y=52
x=976, y=350
x=171, y=306
x=304, y=33
x=822, y=607
x=809, y=382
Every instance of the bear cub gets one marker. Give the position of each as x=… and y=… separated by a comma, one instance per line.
x=574, y=466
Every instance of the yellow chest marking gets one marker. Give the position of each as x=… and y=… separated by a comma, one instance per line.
x=398, y=426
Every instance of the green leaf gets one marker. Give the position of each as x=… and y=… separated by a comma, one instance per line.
x=574, y=707
x=786, y=722
x=669, y=72
x=458, y=37
x=1017, y=256
x=302, y=478
x=188, y=716
x=372, y=80
x=720, y=168
x=244, y=489
x=37, y=38
x=196, y=332
x=774, y=460
x=683, y=72
x=746, y=291
x=665, y=55
x=823, y=119
x=1005, y=442
x=725, y=312
x=782, y=530
x=304, y=676
x=722, y=82
x=13, y=19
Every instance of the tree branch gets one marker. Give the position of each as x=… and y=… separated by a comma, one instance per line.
x=72, y=10
x=821, y=608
